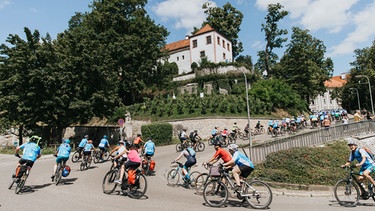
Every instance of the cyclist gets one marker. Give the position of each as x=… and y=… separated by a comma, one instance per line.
x=258, y=125
x=235, y=128
x=87, y=149
x=242, y=165
x=31, y=152
x=183, y=136
x=120, y=156
x=133, y=161
x=194, y=137
x=149, y=148
x=189, y=154
x=82, y=144
x=220, y=153
x=137, y=141
x=224, y=134
x=215, y=133
x=62, y=154
x=103, y=145
x=366, y=163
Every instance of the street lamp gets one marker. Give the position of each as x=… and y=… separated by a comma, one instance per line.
x=248, y=113
x=359, y=104
x=369, y=87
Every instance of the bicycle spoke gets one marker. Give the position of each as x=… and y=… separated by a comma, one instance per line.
x=258, y=194
x=215, y=193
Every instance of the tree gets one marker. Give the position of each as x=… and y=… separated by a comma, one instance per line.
x=304, y=66
x=226, y=21
x=246, y=61
x=273, y=37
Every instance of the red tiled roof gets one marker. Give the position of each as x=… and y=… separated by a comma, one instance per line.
x=206, y=28
x=336, y=81
x=177, y=45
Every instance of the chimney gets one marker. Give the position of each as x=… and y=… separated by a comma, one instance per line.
x=343, y=76
x=187, y=37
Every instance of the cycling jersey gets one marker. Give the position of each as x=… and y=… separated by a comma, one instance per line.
x=214, y=132
x=64, y=150
x=30, y=151
x=133, y=156
x=137, y=140
x=358, y=154
x=149, y=148
x=103, y=143
x=223, y=154
x=241, y=160
x=82, y=143
x=88, y=147
x=120, y=150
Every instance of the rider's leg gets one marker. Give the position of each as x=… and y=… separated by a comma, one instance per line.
x=236, y=174
x=366, y=174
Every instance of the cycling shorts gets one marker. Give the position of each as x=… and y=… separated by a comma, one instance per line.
x=245, y=171
x=103, y=149
x=60, y=158
x=190, y=162
x=87, y=152
x=370, y=168
x=79, y=149
x=149, y=154
x=131, y=164
x=28, y=162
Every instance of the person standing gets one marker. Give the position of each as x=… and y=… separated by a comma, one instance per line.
x=357, y=116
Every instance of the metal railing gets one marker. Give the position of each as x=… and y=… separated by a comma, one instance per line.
x=312, y=138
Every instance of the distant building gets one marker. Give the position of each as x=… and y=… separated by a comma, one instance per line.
x=205, y=43
x=324, y=102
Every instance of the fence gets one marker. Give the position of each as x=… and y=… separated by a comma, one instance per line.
x=312, y=138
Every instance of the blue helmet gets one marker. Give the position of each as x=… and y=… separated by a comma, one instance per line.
x=67, y=141
x=105, y=136
x=66, y=171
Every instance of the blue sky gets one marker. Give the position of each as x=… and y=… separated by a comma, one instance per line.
x=343, y=25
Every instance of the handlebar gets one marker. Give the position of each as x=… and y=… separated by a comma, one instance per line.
x=17, y=155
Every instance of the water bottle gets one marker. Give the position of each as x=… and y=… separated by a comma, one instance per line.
x=370, y=185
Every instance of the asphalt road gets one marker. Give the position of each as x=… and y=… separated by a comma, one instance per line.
x=82, y=190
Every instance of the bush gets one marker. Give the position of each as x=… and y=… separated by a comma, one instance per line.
x=161, y=133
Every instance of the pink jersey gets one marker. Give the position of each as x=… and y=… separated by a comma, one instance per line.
x=134, y=156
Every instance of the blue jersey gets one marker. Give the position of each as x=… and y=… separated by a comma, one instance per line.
x=149, y=147
x=241, y=160
x=88, y=147
x=103, y=143
x=358, y=154
x=270, y=123
x=30, y=151
x=82, y=143
x=214, y=132
x=64, y=150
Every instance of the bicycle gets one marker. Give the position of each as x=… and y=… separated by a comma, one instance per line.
x=181, y=146
x=199, y=146
x=76, y=156
x=174, y=175
x=59, y=171
x=86, y=162
x=349, y=190
x=100, y=156
x=256, y=193
x=203, y=178
x=136, y=190
x=259, y=130
x=20, y=179
x=146, y=165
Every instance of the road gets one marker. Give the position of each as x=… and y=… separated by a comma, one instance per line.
x=82, y=190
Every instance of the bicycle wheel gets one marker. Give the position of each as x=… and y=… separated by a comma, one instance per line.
x=210, y=141
x=58, y=173
x=173, y=177
x=109, y=184
x=82, y=166
x=105, y=155
x=88, y=162
x=96, y=157
x=258, y=194
x=179, y=147
x=200, y=146
x=139, y=189
x=193, y=176
x=215, y=193
x=346, y=193
x=199, y=182
x=262, y=130
x=75, y=157
x=21, y=184
x=11, y=183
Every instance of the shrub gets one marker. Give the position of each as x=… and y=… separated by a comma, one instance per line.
x=161, y=133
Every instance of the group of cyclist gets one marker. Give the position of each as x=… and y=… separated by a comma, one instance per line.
x=193, y=136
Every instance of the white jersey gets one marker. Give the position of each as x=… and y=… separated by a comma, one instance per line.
x=120, y=150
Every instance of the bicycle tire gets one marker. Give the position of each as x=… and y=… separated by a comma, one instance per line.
x=215, y=193
x=346, y=193
x=178, y=147
x=201, y=146
x=262, y=130
x=258, y=194
x=139, y=189
x=88, y=162
x=199, y=182
x=58, y=175
x=82, y=166
x=75, y=157
x=173, y=177
x=20, y=184
x=105, y=155
x=109, y=184
x=12, y=183
x=96, y=156
x=193, y=176
x=210, y=141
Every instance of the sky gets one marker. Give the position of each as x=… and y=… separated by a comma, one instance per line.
x=342, y=25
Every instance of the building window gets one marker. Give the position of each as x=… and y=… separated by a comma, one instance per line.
x=223, y=43
x=203, y=54
x=228, y=47
x=218, y=40
x=195, y=43
x=324, y=101
x=183, y=57
x=208, y=40
x=178, y=58
x=224, y=56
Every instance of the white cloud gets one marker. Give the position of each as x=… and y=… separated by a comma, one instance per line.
x=364, y=31
x=184, y=14
x=4, y=3
x=257, y=45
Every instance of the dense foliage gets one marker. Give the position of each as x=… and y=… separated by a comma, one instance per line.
x=161, y=133
x=305, y=165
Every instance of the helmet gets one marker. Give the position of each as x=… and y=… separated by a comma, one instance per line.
x=121, y=142
x=352, y=142
x=217, y=143
x=233, y=147
x=86, y=136
x=35, y=138
x=66, y=171
x=67, y=141
x=129, y=144
x=105, y=136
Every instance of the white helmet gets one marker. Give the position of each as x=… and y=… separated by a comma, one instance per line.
x=233, y=147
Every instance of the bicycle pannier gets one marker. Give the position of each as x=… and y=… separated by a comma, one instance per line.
x=214, y=171
x=152, y=165
x=131, y=176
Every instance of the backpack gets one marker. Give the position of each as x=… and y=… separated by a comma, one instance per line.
x=191, y=151
x=191, y=136
x=372, y=156
x=179, y=133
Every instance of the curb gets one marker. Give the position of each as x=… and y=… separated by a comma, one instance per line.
x=287, y=189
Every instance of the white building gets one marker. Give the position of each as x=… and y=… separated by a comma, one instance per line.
x=324, y=102
x=205, y=43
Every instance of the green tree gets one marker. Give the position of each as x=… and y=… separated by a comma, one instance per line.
x=304, y=65
x=273, y=37
x=245, y=61
x=226, y=21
